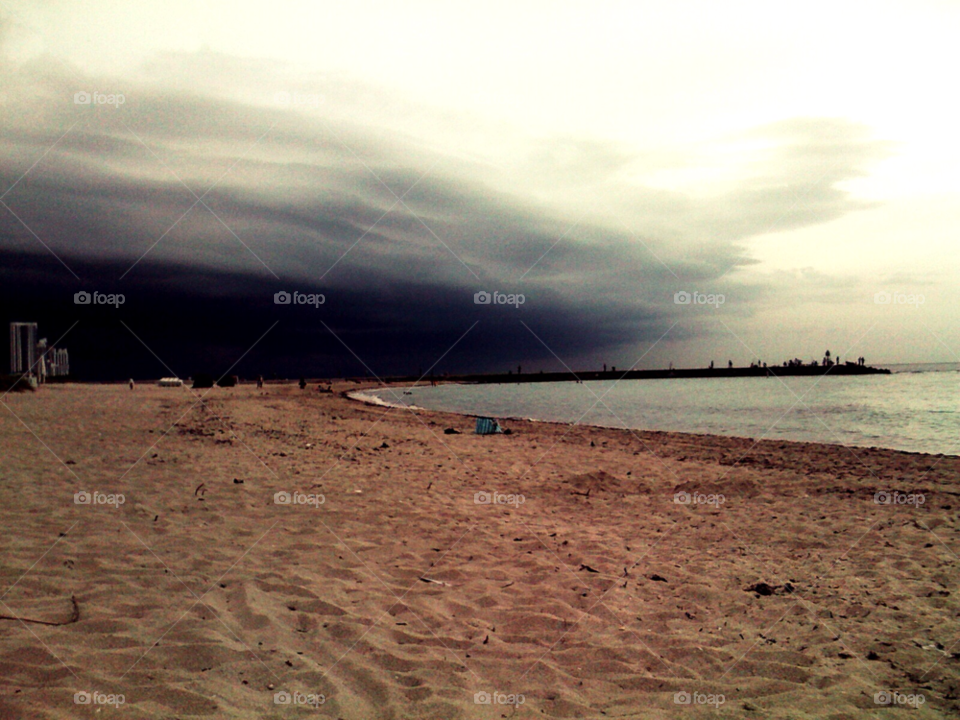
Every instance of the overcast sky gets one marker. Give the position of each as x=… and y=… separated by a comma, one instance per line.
x=598, y=158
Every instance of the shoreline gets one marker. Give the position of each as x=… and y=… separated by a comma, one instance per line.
x=374, y=401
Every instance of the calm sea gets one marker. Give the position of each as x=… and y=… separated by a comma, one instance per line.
x=916, y=408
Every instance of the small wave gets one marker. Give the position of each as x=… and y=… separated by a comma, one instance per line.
x=369, y=399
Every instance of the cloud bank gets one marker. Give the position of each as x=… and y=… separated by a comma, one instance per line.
x=219, y=182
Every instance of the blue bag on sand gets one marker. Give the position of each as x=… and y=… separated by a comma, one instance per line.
x=488, y=426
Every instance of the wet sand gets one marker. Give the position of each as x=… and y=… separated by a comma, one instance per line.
x=611, y=573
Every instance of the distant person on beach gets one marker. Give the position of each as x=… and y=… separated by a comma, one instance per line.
x=131, y=383
x=303, y=383
x=259, y=382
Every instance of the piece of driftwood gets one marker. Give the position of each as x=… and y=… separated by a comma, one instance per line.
x=74, y=616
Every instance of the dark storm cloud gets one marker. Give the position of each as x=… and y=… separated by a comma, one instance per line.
x=396, y=234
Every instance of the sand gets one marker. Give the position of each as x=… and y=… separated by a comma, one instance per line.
x=583, y=589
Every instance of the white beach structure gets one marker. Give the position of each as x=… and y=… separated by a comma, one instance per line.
x=23, y=347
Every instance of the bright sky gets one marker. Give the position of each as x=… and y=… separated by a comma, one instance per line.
x=645, y=74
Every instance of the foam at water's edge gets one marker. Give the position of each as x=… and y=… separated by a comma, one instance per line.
x=361, y=396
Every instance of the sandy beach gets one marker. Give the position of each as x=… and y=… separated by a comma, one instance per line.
x=556, y=571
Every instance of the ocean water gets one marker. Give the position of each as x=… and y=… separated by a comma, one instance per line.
x=917, y=408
